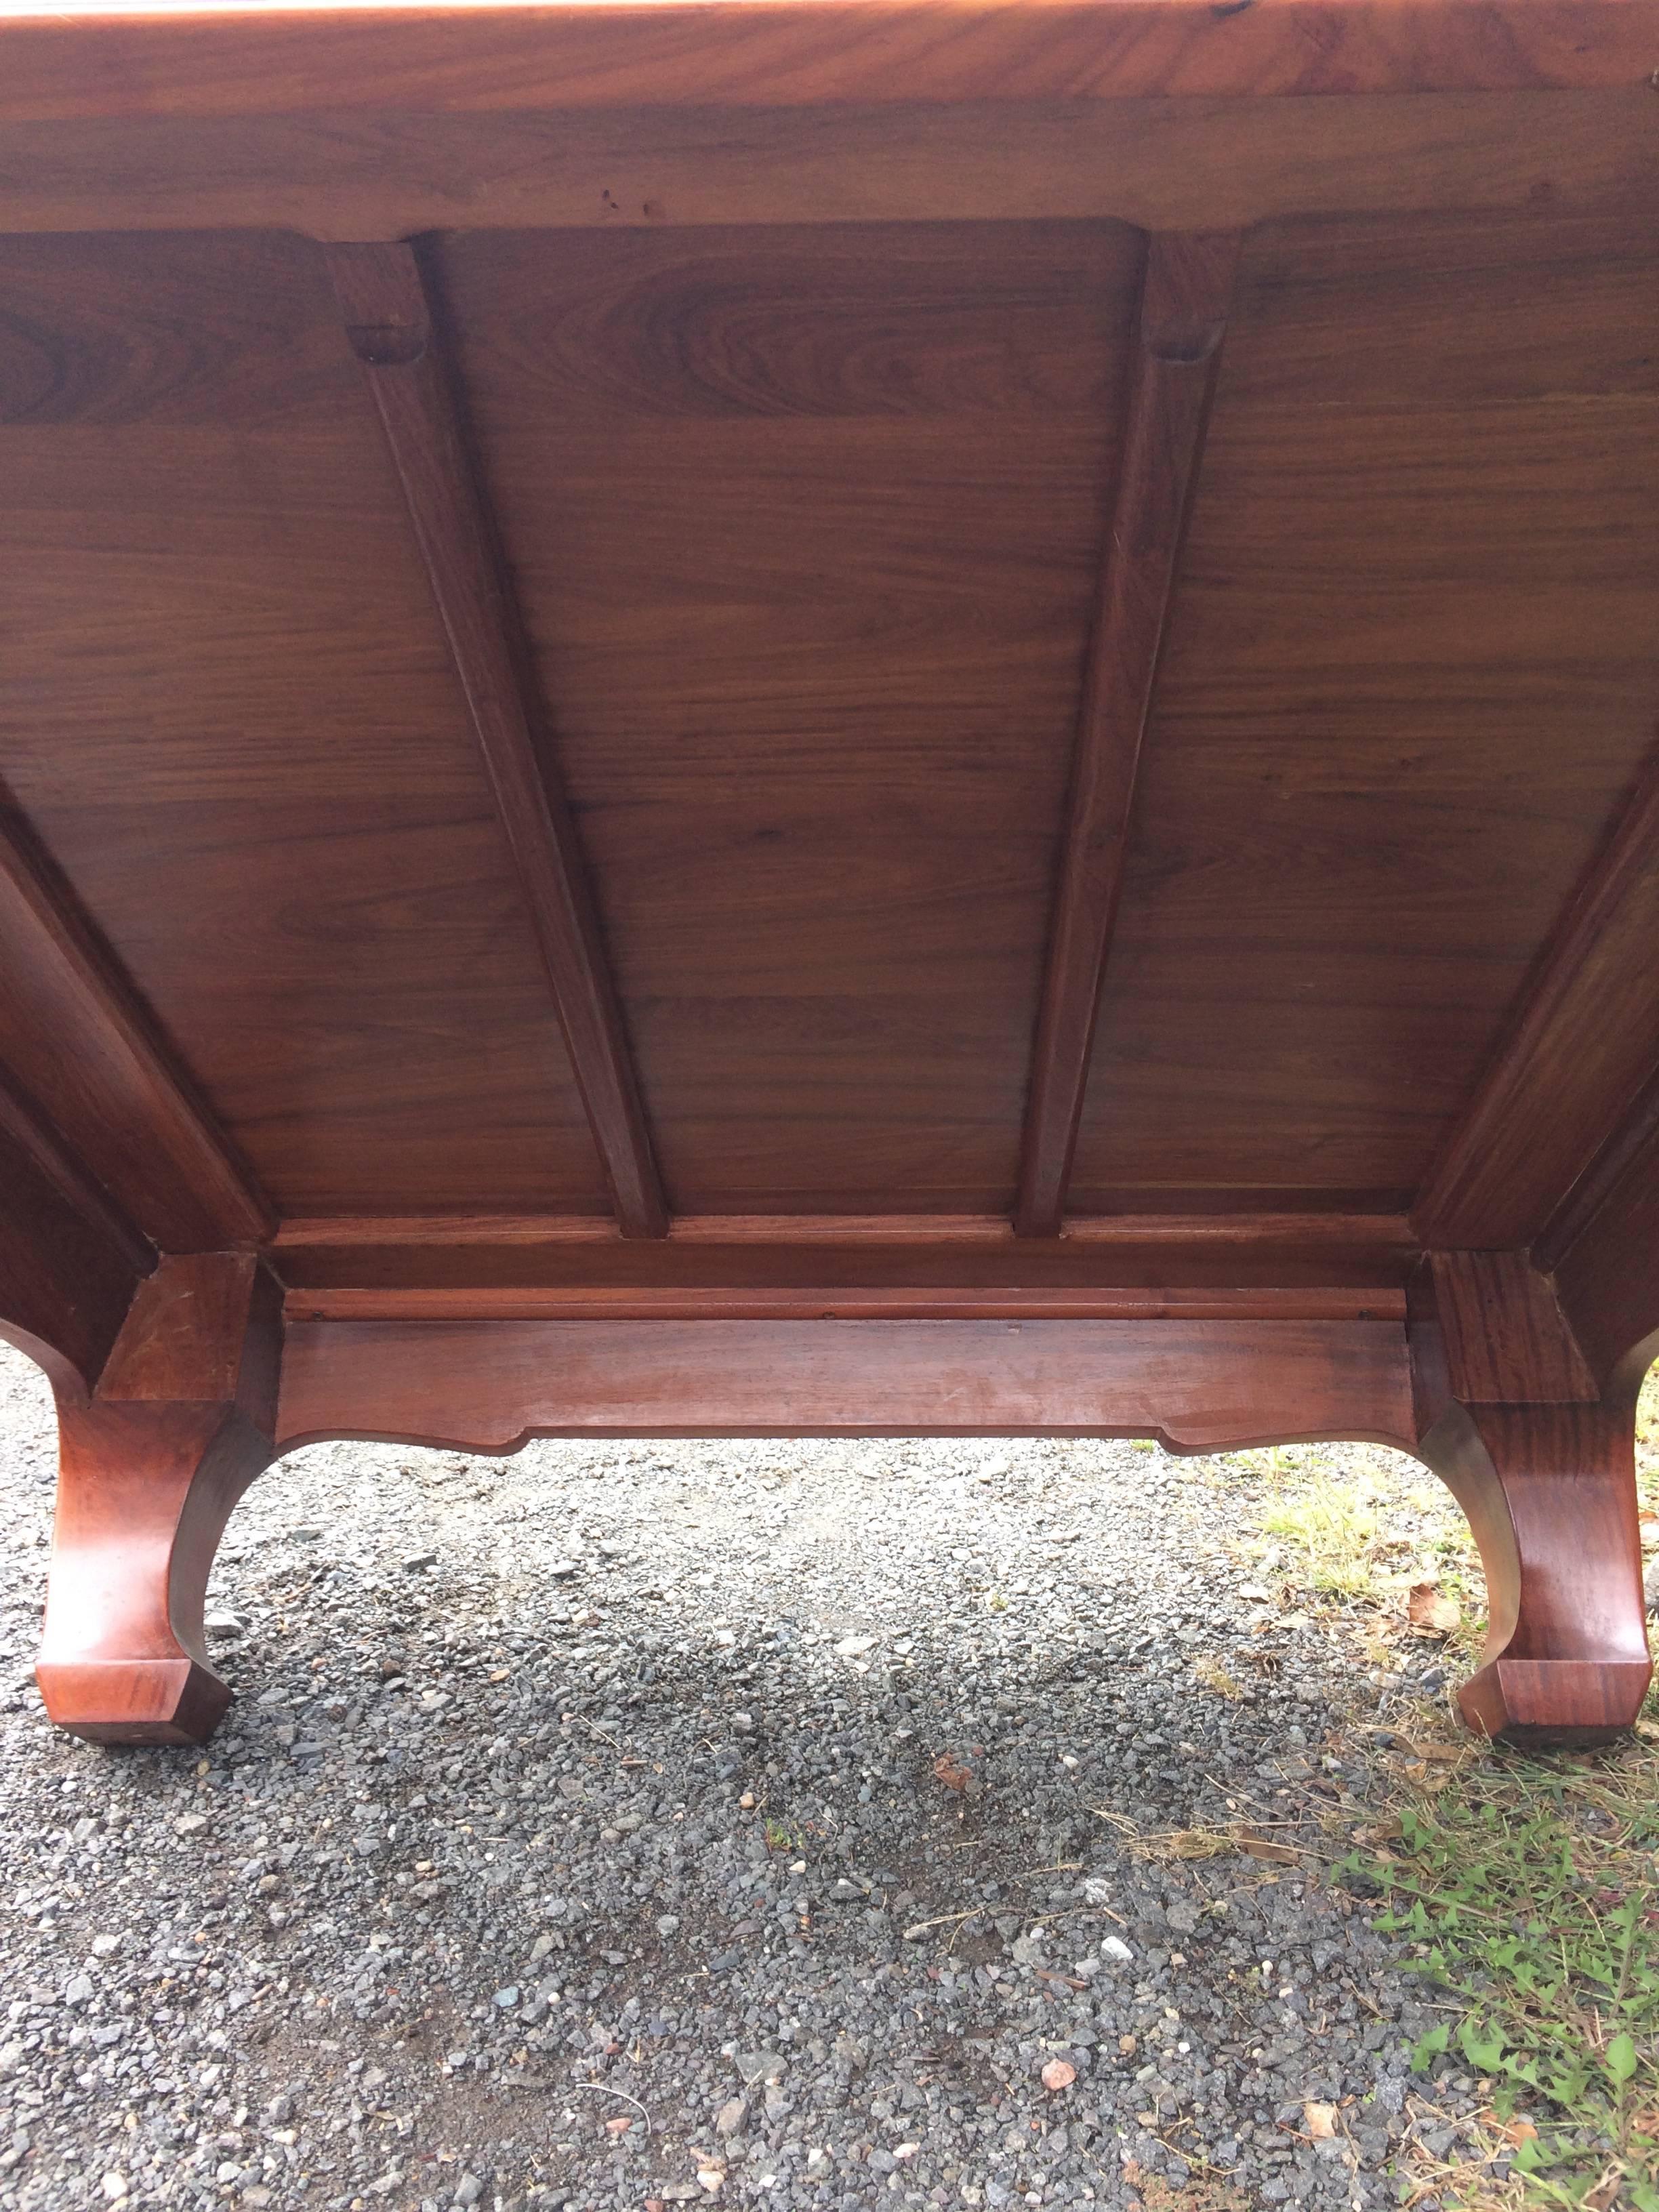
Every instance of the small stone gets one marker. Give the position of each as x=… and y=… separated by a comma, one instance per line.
x=416, y=1560
x=1116, y=1948
x=190, y=1824
x=540, y=1950
x=79, y=1991
x=1057, y=2075
x=562, y=1569
x=103, y=1946
x=855, y=1647
x=306, y=1535
x=507, y=1998
x=114, y=2186
x=468, y=2190
x=712, y=2178
x=729, y=2120
x=224, y=1624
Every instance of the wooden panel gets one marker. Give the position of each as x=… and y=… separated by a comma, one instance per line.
x=27, y=1130
x=1414, y=661
x=1582, y=1042
x=1163, y=164
x=76, y=63
x=1182, y=316
x=65, y=1283
x=1368, y=1255
x=74, y=1031
x=1201, y=1386
x=228, y=713
x=1609, y=1281
x=389, y=321
x=1636, y=1136
x=1506, y=1338
x=804, y=523
x=701, y=1304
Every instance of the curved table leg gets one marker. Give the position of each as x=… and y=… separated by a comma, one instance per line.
x=150, y=1469
x=143, y=1495
x=1550, y=1493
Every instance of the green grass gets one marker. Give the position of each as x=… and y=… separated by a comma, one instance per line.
x=1529, y=1890
x=1330, y=1520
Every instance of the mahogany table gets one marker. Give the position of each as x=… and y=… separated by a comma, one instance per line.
x=836, y=716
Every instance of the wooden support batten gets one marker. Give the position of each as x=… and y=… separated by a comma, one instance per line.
x=1185, y=297
x=1525, y=1159
x=389, y=320
x=100, y=1099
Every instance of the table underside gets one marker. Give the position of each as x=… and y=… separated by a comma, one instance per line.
x=810, y=719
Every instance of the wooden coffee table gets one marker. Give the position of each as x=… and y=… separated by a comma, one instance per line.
x=778, y=716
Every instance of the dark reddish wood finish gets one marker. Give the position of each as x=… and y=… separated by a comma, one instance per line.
x=74, y=1030
x=1583, y=1043
x=66, y=1281
x=1203, y=986
x=1184, y=300
x=389, y=321
x=809, y=52
x=1508, y=1417
x=1200, y=1386
x=1550, y=1493
x=151, y=1467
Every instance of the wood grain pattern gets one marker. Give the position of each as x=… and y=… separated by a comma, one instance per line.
x=1609, y=1280
x=1582, y=1043
x=1182, y=318
x=29, y=1131
x=880, y=1303
x=1550, y=1493
x=65, y=1283
x=1210, y=164
x=1402, y=657
x=149, y=1471
x=1633, y=1143
x=74, y=1031
x=1200, y=1386
x=389, y=322
x=805, y=524
x=1506, y=1338
x=79, y=63
x=223, y=674
x=1228, y=1253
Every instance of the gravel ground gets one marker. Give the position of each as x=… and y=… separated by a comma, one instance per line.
x=747, y=1822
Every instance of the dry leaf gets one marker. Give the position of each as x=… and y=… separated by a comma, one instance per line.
x=1259, y=1847
x=951, y=1770
x=1214, y=1676
x=1450, y=1751
x=1429, y=1608
x=1057, y=2075
x=1320, y=2121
